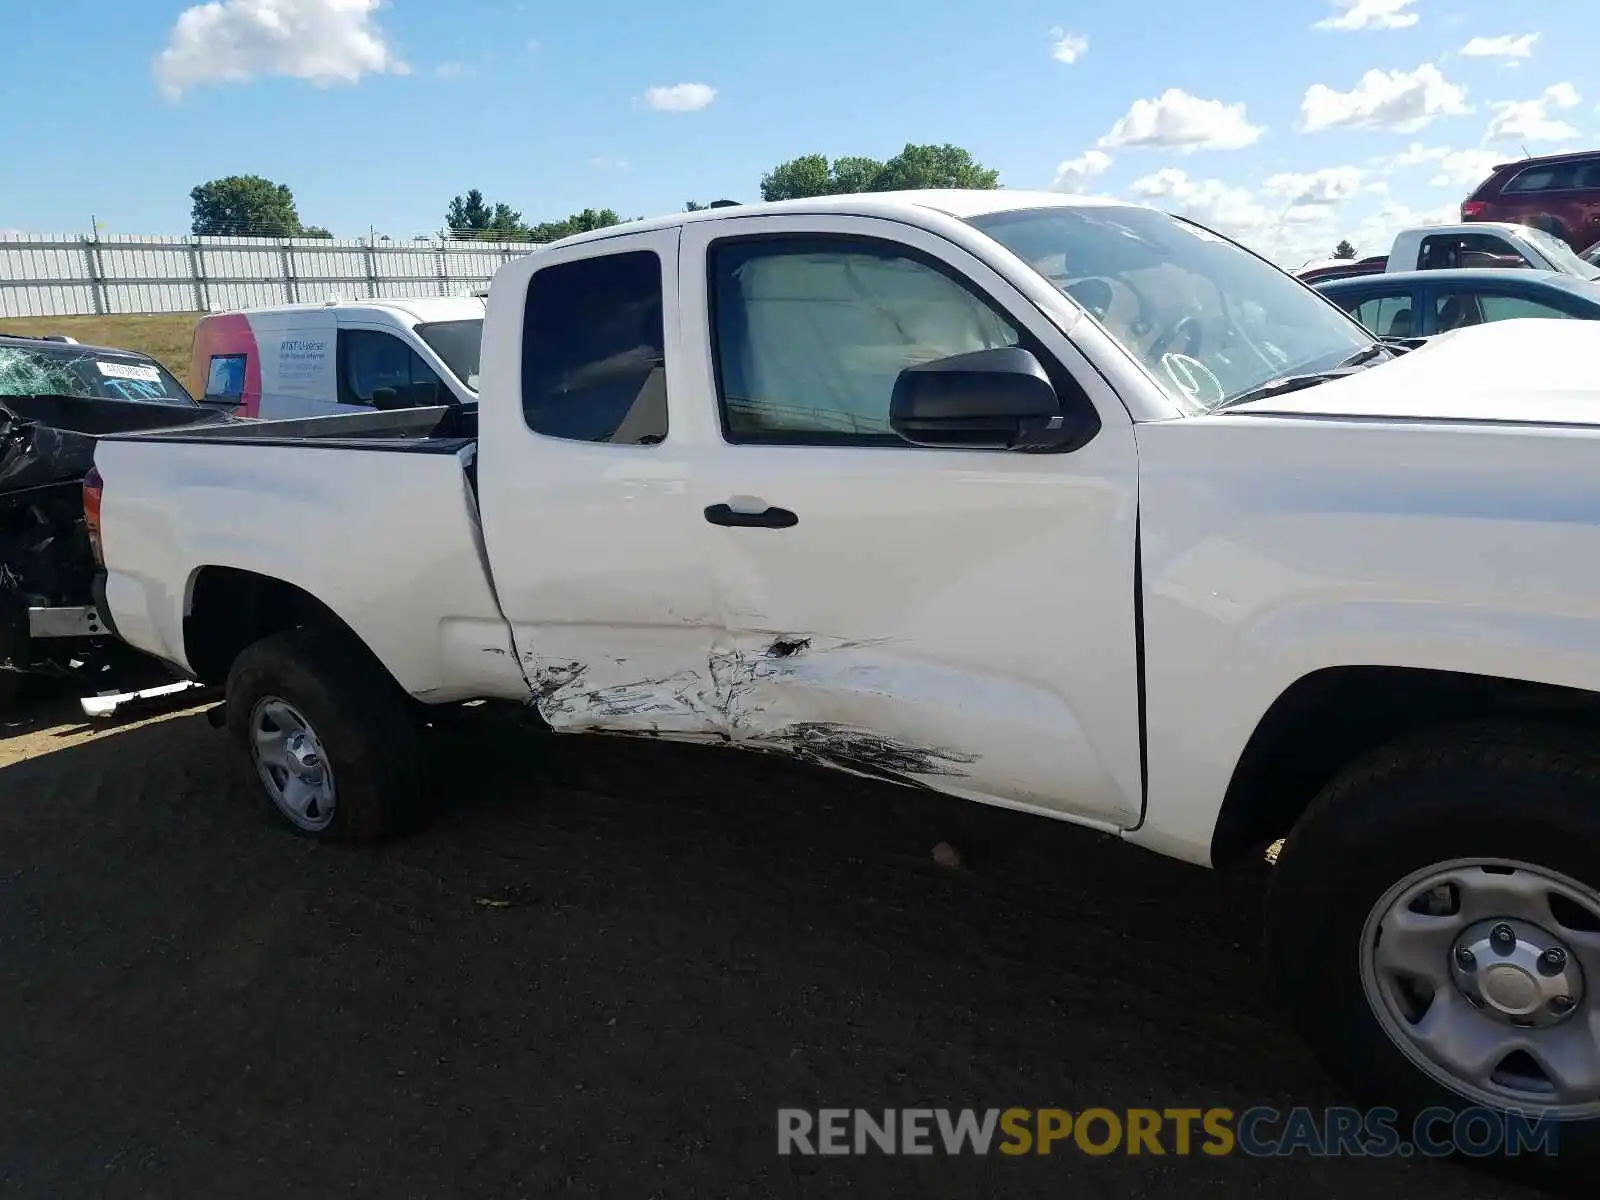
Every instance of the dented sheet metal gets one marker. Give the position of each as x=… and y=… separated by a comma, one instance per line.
x=752, y=693
x=32, y=454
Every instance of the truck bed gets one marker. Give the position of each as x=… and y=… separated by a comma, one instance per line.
x=443, y=429
x=373, y=514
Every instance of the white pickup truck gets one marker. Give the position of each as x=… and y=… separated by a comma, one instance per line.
x=1500, y=244
x=1067, y=506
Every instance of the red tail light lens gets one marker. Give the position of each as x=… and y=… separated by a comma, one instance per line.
x=93, y=489
x=1472, y=210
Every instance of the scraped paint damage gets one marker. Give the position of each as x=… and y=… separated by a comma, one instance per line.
x=867, y=753
x=730, y=701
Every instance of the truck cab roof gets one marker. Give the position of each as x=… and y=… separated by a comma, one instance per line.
x=954, y=202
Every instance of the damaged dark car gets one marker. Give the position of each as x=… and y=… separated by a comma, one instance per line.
x=56, y=397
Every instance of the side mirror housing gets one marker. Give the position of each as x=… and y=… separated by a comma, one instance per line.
x=998, y=399
x=387, y=399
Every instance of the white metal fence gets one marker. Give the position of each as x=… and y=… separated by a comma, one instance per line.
x=66, y=275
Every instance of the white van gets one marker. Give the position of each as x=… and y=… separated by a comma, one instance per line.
x=303, y=360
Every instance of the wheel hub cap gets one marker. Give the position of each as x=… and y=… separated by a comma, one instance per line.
x=303, y=752
x=1480, y=972
x=291, y=762
x=1528, y=979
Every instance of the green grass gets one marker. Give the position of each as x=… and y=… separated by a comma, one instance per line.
x=165, y=337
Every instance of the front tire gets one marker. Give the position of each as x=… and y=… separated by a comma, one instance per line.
x=1434, y=926
x=325, y=736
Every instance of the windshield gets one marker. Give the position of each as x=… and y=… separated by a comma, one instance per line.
x=1560, y=254
x=458, y=343
x=67, y=370
x=1207, y=319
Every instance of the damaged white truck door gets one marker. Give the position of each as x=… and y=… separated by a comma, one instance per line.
x=958, y=618
x=588, y=517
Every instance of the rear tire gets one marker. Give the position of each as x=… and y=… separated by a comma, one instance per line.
x=1482, y=794
x=323, y=734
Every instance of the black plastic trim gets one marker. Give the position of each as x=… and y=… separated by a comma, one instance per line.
x=97, y=593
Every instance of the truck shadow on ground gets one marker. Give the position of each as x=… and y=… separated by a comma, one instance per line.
x=602, y=968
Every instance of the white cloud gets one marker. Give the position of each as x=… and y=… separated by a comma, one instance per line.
x=1067, y=47
x=1074, y=173
x=1374, y=234
x=1230, y=209
x=1330, y=185
x=1286, y=234
x=1451, y=168
x=1401, y=101
x=1530, y=120
x=1293, y=216
x=1506, y=46
x=1175, y=120
x=232, y=41
x=532, y=45
x=1369, y=14
x=1310, y=214
x=1464, y=167
x=680, y=97
x=450, y=70
x=602, y=163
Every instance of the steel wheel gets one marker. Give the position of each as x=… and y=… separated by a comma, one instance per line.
x=292, y=764
x=1486, y=974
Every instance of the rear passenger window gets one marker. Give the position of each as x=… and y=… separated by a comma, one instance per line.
x=1386, y=316
x=225, y=376
x=594, y=351
x=1556, y=178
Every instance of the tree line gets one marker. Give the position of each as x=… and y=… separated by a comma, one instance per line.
x=251, y=206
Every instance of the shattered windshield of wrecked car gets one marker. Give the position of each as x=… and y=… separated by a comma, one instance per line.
x=1209, y=320
x=85, y=372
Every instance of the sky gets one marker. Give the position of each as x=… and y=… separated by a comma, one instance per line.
x=1289, y=124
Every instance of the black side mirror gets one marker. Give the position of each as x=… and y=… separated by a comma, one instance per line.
x=999, y=399
x=387, y=399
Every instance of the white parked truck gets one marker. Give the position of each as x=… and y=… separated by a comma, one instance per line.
x=1494, y=244
x=1068, y=506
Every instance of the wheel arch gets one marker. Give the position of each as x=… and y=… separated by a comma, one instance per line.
x=1330, y=717
x=230, y=608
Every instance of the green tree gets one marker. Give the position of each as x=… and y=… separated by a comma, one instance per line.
x=694, y=206
x=915, y=166
x=943, y=166
x=468, y=214
x=1344, y=250
x=243, y=206
x=854, y=173
x=471, y=216
x=808, y=175
x=581, y=222
x=315, y=231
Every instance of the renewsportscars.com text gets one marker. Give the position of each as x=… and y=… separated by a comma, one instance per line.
x=1259, y=1132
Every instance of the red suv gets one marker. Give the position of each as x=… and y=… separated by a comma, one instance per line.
x=1559, y=193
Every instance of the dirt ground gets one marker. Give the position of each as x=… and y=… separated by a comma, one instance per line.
x=600, y=971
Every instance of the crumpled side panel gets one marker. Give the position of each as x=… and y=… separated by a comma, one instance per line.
x=32, y=454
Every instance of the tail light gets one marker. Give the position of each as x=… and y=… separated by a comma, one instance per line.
x=93, y=489
x=1472, y=210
